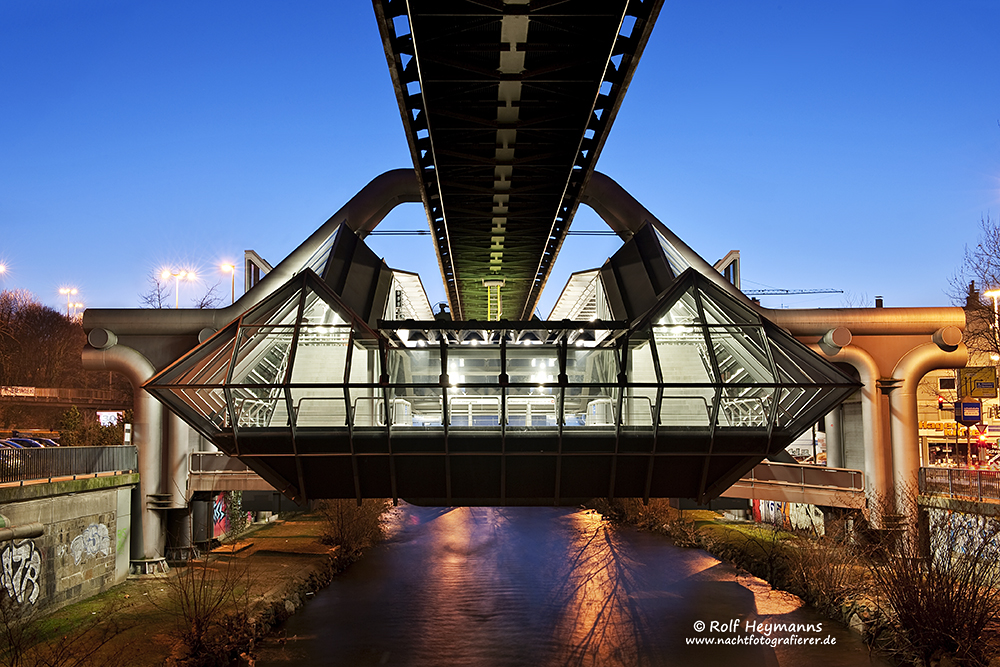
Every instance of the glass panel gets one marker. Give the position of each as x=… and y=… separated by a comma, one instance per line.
x=319, y=258
x=740, y=355
x=637, y=407
x=533, y=365
x=535, y=409
x=472, y=409
x=684, y=359
x=320, y=354
x=413, y=405
x=321, y=407
x=637, y=403
x=259, y=407
x=798, y=407
x=721, y=308
x=532, y=404
x=262, y=355
x=205, y=406
x=593, y=405
x=676, y=261
x=684, y=311
x=316, y=311
x=210, y=365
x=367, y=403
x=470, y=405
x=280, y=308
x=474, y=365
x=745, y=407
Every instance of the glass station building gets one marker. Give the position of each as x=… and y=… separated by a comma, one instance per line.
x=659, y=384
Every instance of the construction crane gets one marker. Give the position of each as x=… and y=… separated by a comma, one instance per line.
x=780, y=292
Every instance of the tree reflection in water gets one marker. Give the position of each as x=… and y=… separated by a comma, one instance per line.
x=597, y=591
x=498, y=587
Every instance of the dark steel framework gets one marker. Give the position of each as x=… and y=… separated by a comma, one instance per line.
x=682, y=402
x=506, y=106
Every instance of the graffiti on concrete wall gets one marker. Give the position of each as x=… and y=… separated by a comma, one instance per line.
x=20, y=565
x=93, y=541
x=789, y=515
x=220, y=518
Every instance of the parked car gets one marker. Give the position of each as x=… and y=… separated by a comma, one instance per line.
x=45, y=442
x=26, y=442
x=11, y=460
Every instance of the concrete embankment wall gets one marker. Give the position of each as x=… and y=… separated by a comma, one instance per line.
x=84, y=546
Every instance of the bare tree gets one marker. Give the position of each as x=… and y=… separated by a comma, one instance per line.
x=158, y=294
x=209, y=299
x=980, y=273
x=856, y=300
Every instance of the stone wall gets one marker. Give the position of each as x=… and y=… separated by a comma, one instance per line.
x=83, y=550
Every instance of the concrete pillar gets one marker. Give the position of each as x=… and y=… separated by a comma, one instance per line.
x=834, y=421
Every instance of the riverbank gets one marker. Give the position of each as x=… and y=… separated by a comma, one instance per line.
x=900, y=608
x=265, y=576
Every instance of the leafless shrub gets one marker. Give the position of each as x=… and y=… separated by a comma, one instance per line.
x=35, y=641
x=828, y=571
x=938, y=585
x=211, y=602
x=353, y=527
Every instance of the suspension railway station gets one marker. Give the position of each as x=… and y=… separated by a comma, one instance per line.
x=653, y=376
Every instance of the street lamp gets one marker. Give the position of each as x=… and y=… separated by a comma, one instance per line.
x=230, y=268
x=177, y=276
x=68, y=292
x=993, y=294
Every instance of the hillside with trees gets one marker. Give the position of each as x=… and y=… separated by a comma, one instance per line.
x=40, y=347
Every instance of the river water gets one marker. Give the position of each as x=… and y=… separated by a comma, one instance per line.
x=549, y=586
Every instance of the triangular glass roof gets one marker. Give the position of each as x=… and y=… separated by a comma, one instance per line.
x=246, y=363
x=317, y=263
x=747, y=355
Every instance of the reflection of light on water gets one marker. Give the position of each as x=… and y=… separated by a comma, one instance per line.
x=769, y=600
x=601, y=622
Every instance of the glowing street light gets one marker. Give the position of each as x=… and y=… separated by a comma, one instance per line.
x=177, y=276
x=993, y=294
x=230, y=268
x=68, y=292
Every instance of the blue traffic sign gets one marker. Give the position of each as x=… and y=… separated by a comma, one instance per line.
x=968, y=412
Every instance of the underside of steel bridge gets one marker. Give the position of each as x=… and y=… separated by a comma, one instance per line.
x=506, y=106
x=654, y=376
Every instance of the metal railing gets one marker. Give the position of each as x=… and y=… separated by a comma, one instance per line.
x=965, y=483
x=814, y=485
x=217, y=462
x=807, y=476
x=20, y=465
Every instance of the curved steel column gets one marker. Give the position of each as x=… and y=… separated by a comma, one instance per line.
x=149, y=542
x=878, y=476
x=625, y=215
x=362, y=213
x=903, y=408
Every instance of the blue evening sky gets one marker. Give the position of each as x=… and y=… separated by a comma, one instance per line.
x=851, y=145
